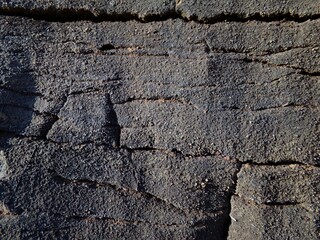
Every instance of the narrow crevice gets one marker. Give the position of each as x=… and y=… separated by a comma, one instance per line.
x=289, y=105
x=89, y=183
x=311, y=74
x=280, y=163
x=271, y=81
x=49, y=128
x=214, y=50
x=144, y=149
x=107, y=47
x=164, y=100
x=121, y=221
x=232, y=193
x=236, y=17
x=91, y=89
x=270, y=203
x=179, y=153
x=286, y=203
x=86, y=91
x=54, y=14
x=299, y=70
x=287, y=49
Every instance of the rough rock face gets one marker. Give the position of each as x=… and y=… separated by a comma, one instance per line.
x=159, y=119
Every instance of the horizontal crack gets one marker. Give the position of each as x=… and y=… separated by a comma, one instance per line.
x=144, y=149
x=299, y=70
x=289, y=105
x=285, y=203
x=163, y=100
x=312, y=74
x=272, y=203
x=281, y=163
x=121, y=221
x=54, y=14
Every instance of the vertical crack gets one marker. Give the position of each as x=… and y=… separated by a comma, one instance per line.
x=233, y=192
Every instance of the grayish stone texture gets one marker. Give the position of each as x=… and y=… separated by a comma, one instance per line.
x=159, y=119
x=211, y=10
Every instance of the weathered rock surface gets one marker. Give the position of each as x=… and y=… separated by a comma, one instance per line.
x=276, y=202
x=211, y=10
x=166, y=129
x=143, y=10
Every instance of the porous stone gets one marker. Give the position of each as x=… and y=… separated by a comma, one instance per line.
x=212, y=10
x=276, y=202
x=120, y=120
x=90, y=9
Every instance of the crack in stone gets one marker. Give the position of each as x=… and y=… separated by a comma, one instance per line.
x=287, y=105
x=247, y=53
x=54, y=14
x=65, y=99
x=266, y=62
x=281, y=163
x=235, y=181
x=93, y=217
x=285, y=203
x=163, y=100
x=278, y=79
x=272, y=203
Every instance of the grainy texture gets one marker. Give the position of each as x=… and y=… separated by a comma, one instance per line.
x=262, y=9
x=143, y=10
x=144, y=124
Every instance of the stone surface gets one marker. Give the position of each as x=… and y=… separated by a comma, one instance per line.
x=276, y=202
x=256, y=221
x=211, y=10
x=141, y=82
x=91, y=9
x=280, y=184
x=163, y=129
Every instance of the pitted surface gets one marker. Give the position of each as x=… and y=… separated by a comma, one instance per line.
x=142, y=123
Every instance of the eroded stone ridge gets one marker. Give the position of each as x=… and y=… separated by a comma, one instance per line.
x=167, y=129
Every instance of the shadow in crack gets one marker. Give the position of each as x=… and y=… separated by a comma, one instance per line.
x=112, y=125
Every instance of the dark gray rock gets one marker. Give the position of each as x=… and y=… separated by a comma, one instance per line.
x=276, y=202
x=160, y=129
